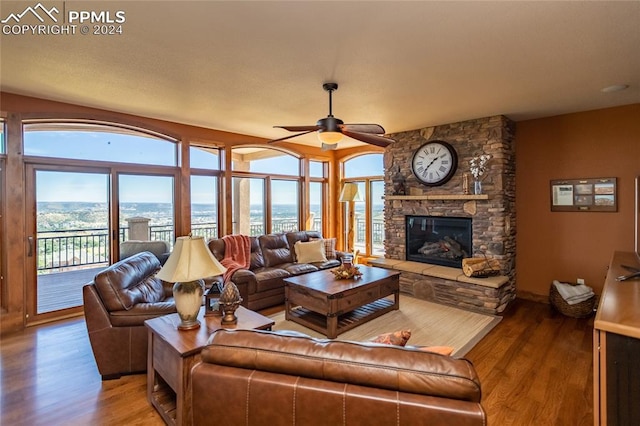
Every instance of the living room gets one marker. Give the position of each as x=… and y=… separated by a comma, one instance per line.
x=566, y=130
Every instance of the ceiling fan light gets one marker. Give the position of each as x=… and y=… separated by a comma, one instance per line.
x=330, y=137
x=328, y=147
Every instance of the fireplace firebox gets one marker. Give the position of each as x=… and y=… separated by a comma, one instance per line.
x=438, y=240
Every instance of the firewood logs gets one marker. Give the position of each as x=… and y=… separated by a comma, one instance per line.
x=480, y=267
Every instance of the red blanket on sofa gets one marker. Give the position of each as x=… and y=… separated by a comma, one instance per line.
x=237, y=254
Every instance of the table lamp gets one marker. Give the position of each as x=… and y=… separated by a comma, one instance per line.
x=189, y=262
x=350, y=195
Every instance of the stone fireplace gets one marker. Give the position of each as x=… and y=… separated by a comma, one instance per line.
x=492, y=213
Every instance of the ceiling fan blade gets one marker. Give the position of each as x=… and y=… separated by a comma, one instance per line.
x=300, y=128
x=375, y=129
x=291, y=136
x=329, y=146
x=368, y=138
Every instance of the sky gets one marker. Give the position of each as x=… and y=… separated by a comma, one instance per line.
x=127, y=148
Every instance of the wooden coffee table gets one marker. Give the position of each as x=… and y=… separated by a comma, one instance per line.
x=172, y=353
x=330, y=306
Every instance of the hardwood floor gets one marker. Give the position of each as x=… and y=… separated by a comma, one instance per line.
x=535, y=368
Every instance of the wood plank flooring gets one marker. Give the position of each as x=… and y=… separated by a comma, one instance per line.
x=535, y=368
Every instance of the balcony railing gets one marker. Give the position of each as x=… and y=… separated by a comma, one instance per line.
x=72, y=248
x=60, y=250
x=377, y=230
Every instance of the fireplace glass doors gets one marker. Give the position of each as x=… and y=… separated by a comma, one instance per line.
x=438, y=240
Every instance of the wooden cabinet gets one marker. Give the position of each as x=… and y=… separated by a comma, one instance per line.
x=616, y=347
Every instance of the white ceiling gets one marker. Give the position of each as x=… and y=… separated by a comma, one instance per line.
x=247, y=66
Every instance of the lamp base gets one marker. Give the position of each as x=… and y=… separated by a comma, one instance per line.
x=188, y=299
x=189, y=325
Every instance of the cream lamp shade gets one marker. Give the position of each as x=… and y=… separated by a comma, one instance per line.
x=329, y=137
x=189, y=262
x=350, y=192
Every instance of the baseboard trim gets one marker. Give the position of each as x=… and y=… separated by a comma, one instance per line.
x=533, y=297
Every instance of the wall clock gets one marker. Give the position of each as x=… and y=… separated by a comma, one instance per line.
x=434, y=163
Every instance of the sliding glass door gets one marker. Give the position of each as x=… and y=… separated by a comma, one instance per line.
x=69, y=239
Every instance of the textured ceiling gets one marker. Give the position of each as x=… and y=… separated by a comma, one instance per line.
x=247, y=66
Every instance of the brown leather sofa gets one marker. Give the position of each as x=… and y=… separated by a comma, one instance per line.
x=116, y=304
x=250, y=377
x=272, y=259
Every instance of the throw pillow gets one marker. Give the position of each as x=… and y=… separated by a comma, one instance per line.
x=329, y=247
x=442, y=350
x=310, y=252
x=397, y=338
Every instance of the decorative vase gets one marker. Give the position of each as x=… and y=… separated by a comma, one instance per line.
x=477, y=187
x=188, y=298
x=465, y=184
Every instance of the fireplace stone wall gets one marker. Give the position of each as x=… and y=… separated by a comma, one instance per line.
x=493, y=218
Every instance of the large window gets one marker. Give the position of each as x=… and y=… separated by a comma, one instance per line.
x=367, y=172
x=115, y=184
x=204, y=206
x=2, y=142
x=2, y=151
x=89, y=141
x=146, y=208
x=204, y=158
x=248, y=206
x=205, y=180
x=2, y=273
x=265, y=191
x=285, y=205
x=265, y=160
x=316, y=206
x=317, y=195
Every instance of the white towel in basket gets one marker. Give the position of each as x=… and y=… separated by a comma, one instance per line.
x=573, y=294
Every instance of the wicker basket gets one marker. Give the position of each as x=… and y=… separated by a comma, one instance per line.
x=579, y=310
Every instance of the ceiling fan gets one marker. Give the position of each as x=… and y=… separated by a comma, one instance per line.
x=331, y=129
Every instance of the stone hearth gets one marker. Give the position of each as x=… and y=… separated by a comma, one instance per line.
x=493, y=214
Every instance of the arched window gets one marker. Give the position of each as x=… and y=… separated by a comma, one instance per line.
x=367, y=171
x=113, y=195
x=98, y=142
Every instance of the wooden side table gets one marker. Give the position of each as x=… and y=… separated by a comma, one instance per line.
x=172, y=353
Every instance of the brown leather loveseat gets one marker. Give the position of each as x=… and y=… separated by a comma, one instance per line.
x=272, y=259
x=250, y=377
x=116, y=304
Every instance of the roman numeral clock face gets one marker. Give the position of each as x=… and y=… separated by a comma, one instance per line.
x=434, y=163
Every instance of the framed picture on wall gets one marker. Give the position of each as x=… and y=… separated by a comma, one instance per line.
x=584, y=195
